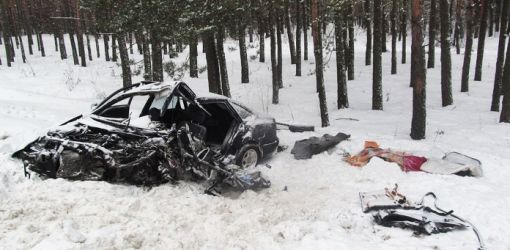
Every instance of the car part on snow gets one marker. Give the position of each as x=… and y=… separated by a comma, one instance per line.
x=297, y=128
x=392, y=209
x=304, y=149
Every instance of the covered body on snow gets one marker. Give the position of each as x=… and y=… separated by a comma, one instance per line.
x=151, y=133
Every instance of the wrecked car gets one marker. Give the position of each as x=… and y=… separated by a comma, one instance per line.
x=151, y=133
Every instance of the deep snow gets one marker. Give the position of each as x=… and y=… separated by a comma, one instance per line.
x=320, y=208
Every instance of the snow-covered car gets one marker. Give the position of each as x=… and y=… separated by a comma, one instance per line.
x=151, y=127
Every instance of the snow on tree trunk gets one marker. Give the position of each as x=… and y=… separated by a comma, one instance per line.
x=124, y=61
x=368, y=24
x=225, y=88
x=319, y=68
x=245, y=72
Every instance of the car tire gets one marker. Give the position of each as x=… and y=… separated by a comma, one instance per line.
x=248, y=156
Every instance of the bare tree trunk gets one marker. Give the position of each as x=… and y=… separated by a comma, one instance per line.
x=290, y=36
x=467, y=50
x=404, y=30
x=298, y=37
x=157, y=57
x=432, y=35
x=73, y=49
x=114, y=48
x=124, y=60
x=225, y=88
x=96, y=37
x=262, y=41
x=5, y=32
x=458, y=25
x=383, y=29
x=28, y=24
x=481, y=40
x=342, y=98
x=245, y=71
x=377, y=103
x=147, y=62
x=491, y=19
x=368, y=24
x=106, y=37
x=446, y=60
x=79, y=34
x=305, y=30
x=274, y=63
x=279, y=30
x=505, y=111
x=193, y=57
x=394, y=37
x=213, y=70
x=350, y=23
x=418, y=124
x=319, y=70
x=498, y=78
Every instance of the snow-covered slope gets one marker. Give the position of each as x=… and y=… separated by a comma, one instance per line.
x=312, y=204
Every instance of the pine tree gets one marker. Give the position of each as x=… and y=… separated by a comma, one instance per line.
x=498, y=78
x=403, y=29
x=368, y=24
x=446, y=60
x=481, y=40
x=394, y=37
x=342, y=98
x=432, y=34
x=418, y=124
x=377, y=103
x=298, y=37
x=319, y=70
x=467, y=50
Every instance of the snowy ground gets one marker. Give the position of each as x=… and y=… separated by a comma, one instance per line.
x=320, y=207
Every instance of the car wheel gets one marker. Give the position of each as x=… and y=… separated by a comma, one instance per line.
x=248, y=156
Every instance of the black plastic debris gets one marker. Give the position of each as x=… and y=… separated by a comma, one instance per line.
x=392, y=209
x=304, y=149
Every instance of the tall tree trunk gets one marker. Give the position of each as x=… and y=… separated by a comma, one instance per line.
x=498, y=78
x=73, y=49
x=262, y=41
x=96, y=37
x=368, y=24
x=43, y=53
x=290, y=36
x=342, y=98
x=193, y=57
x=89, y=49
x=124, y=60
x=377, y=103
x=469, y=46
x=106, y=37
x=213, y=70
x=279, y=31
x=481, y=40
x=458, y=25
x=505, y=111
x=319, y=68
x=383, y=29
x=432, y=35
x=394, y=37
x=350, y=23
x=27, y=24
x=418, y=124
x=298, y=37
x=305, y=30
x=245, y=72
x=5, y=32
x=225, y=88
x=491, y=19
x=147, y=62
x=79, y=34
x=446, y=59
x=498, y=13
x=157, y=57
x=114, y=48
x=274, y=63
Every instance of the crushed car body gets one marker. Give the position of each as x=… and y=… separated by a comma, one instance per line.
x=152, y=133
